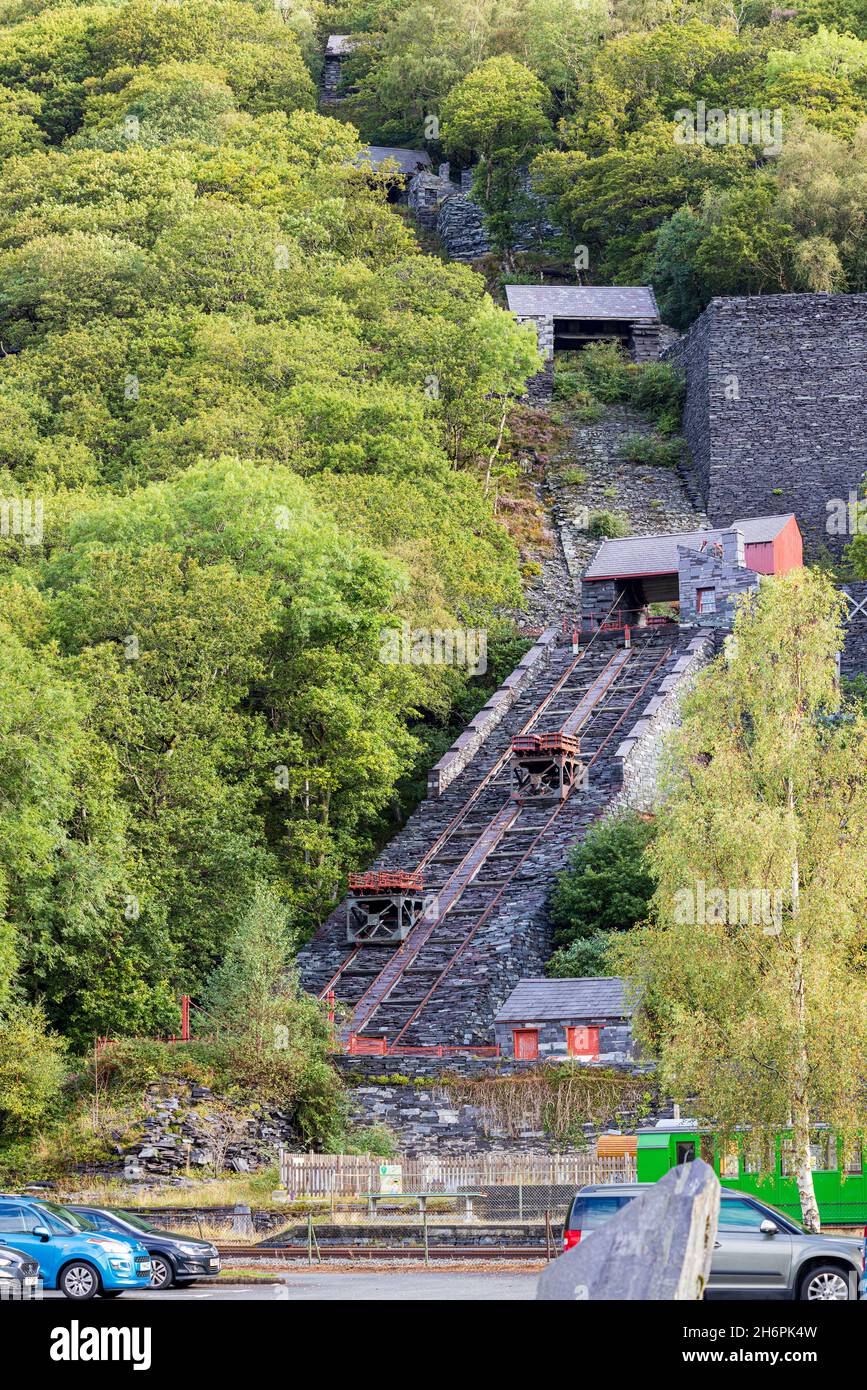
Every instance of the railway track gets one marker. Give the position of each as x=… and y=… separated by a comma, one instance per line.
x=472, y=864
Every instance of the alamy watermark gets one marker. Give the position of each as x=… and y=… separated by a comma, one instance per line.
x=437, y=646
x=734, y=907
x=846, y=516
x=741, y=125
x=22, y=517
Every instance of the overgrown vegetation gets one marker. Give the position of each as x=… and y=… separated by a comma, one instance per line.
x=261, y=432
x=591, y=99
x=749, y=978
x=605, y=890
x=559, y=1100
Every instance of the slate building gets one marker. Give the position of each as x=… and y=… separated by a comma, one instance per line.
x=582, y=1019
x=776, y=408
x=702, y=572
x=568, y=317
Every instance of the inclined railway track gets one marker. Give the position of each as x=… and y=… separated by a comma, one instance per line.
x=502, y=832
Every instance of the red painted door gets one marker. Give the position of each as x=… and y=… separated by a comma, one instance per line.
x=526, y=1044
x=582, y=1042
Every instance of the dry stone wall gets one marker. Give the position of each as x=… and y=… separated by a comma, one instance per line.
x=776, y=407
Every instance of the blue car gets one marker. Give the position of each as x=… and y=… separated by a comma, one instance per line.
x=75, y=1258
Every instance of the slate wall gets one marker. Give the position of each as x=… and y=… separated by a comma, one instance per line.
x=776, y=407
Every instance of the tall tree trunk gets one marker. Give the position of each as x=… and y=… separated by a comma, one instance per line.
x=803, y=1168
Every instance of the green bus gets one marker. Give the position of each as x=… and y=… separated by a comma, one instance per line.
x=839, y=1178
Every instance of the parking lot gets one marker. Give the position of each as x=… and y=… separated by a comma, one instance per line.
x=417, y=1285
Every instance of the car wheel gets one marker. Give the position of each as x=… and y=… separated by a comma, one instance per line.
x=162, y=1272
x=79, y=1281
x=828, y=1282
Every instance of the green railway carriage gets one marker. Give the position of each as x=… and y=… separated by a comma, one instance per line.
x=839, y=1177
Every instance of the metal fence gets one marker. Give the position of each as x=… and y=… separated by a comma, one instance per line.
x=360, y=1203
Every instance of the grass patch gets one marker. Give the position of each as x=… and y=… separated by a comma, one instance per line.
x=605, y=525
x=656, y=453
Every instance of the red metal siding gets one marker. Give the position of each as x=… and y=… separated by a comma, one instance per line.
x=788, y=548
x=784, y=553
x=759, y=556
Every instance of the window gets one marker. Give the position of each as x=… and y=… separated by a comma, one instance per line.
x=823, y=1153
x=684, y=1151
x=705, y=600
x=14, y=1221
x=728, y=1162
x=760, y=1154
x=588, y=1213
x=582, y=1042
x=526, y=1044
x=739, y=1216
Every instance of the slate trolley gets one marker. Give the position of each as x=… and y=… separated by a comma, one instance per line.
x=839, y=1178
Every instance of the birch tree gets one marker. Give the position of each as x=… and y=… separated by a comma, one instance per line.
x=750, y=979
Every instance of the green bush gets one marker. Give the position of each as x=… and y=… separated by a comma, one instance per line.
x=32, y=1069
x=573, y=477
x=607, y=525
x=608, y=884
x=583, y=957
x=375, y=1139
x=607, y=372
x=656, y=453
x=659, y=389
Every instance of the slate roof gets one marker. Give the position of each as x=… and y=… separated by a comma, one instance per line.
x=410, y=161
x=584, y=301
x=339, y=45
x=536, y=1000
x=658, y=554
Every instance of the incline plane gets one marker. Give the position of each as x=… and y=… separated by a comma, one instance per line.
x=455, y=913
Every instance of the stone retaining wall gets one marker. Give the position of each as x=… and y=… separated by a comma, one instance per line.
x=641, y=751
x=465, y=747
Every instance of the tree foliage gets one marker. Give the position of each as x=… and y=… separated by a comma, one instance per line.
x=750, y=979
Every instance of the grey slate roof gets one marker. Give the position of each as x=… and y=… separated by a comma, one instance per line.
x=658, y=554
x=410, y=161
x=339, y=45
x=535, y=1000
x=584, y=301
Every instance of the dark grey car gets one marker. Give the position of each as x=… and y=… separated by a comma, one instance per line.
x=176, y=1260
x=759, y=1252
x=19, y=1274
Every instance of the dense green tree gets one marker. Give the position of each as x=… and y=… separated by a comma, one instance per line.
x=31, y=1069
x=606, y=888
x=497, y=116
x=750, y=977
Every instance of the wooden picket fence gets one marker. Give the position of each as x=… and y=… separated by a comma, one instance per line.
x=353, y=1175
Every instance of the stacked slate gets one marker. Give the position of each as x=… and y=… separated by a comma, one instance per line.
x=461, y=228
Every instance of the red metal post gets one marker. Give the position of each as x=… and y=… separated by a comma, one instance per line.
x=185, y=1018
x=627, y=637
x=330, y=1000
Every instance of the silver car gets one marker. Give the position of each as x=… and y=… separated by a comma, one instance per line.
x=759, y=1252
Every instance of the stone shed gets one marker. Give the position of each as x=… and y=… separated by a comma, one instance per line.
x=403, y=165
x=700, y=572
x=776, y=408
x=337, y=49
x=567, y=317
x=585, y=1020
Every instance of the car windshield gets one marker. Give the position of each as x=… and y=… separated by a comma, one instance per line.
x=134, y=1221
x=594, y=1210
x=69, y=1218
